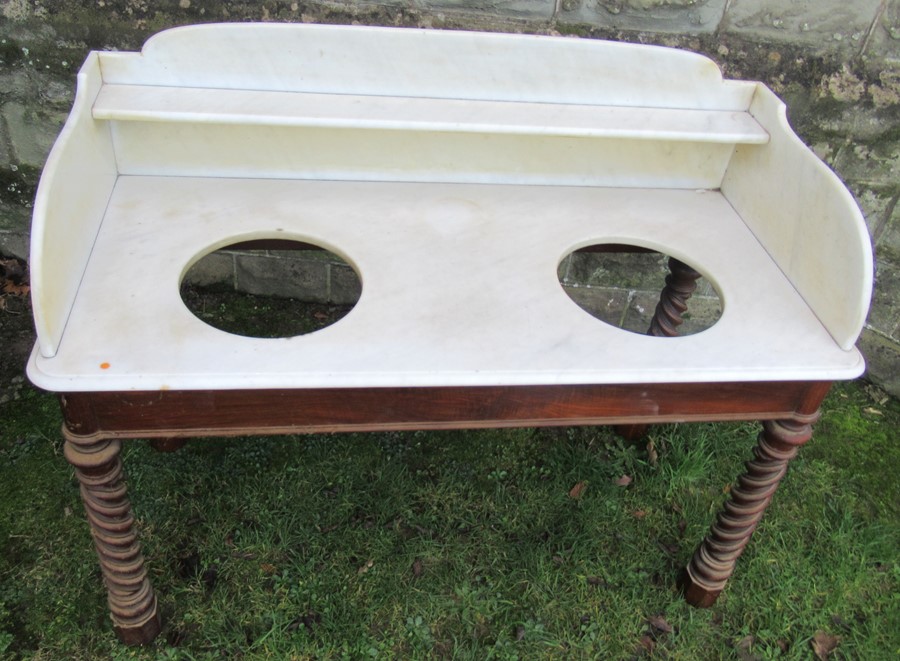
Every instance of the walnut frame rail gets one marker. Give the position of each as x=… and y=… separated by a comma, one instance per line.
x=95, y=423
x=469, y=159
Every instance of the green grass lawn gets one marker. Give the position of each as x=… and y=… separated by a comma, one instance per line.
x=463, y=545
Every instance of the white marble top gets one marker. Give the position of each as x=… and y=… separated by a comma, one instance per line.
x=459, y=288
x=454, y=170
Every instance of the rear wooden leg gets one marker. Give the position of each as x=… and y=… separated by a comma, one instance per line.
x=714, y=561
x=132, y=602
x=167, y=444
x=632, y=433
x=680, y=285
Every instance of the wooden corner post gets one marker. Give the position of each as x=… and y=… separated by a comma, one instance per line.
x=714, y=560
x=98, y=467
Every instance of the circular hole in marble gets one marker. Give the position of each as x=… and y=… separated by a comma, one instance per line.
x=270, y=288
x=620, y=284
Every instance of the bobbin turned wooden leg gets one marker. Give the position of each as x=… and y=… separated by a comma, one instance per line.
x=680, y=284
x=714, y=561
x=167, y=444
x=132, y=603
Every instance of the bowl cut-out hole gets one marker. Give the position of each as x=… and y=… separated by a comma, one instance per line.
x=620, y=285
x=270, y=288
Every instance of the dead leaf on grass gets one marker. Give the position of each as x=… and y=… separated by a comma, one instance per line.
x=417, y=568
x=623, y=481
x=638, y=514
x=596, y=581
x=742, y=648
x=576, y=492
x=824, y=644
x=670, y=549
x=267, y=568
x=659, y=623
x=652, y=454
x=14, y=289
x=366, y=567
x=645, y=646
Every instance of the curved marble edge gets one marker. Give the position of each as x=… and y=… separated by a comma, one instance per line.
x=429, y=63
x=75, y=185
x=806, y=219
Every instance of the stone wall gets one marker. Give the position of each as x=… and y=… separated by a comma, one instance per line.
x=835, y=62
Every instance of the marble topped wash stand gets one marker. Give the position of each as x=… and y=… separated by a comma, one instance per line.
x=454, y=172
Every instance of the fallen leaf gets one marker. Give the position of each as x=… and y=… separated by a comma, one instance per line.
x=320, y=316
x=638, y=514
x=824, y=644
x=15, y=290
x=682, y=526
x=652, y=454
x=597, y=581
x=417, y=567
x=670, y=549
x=267, y=568
x=576, y=491
x=646, y=645
x=659, y=623
x=366, y=567
x=742, y=648
x=520, y=632
x=623, y=481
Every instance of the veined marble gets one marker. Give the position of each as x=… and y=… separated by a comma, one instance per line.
x=454, y=171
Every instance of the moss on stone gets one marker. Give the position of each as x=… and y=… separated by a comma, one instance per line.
x=18, y=186
x=10, y=52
